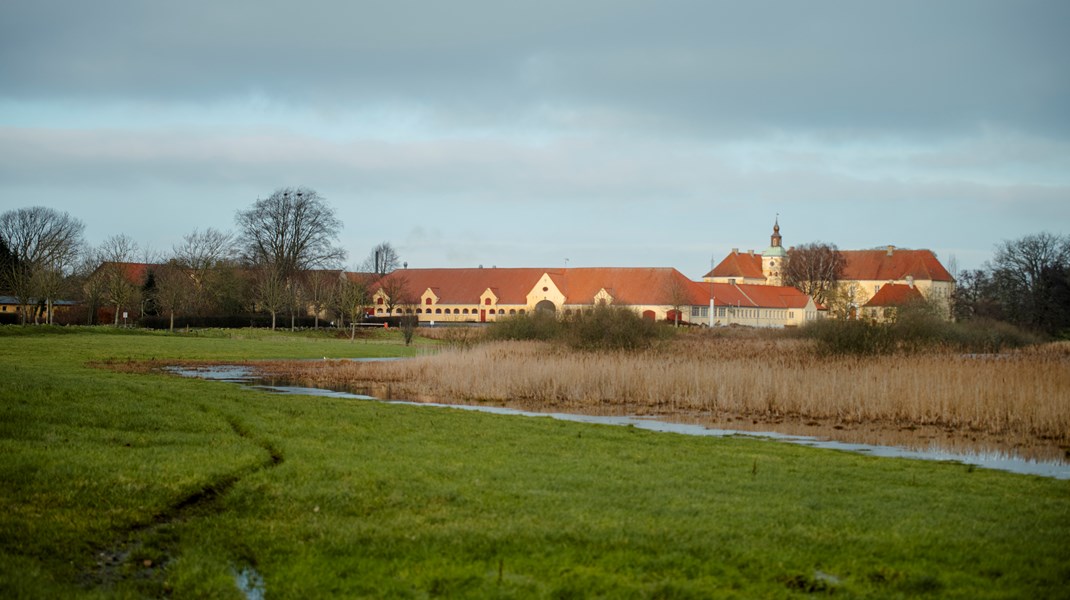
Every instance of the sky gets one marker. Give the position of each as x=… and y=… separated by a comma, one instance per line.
x=551, y=133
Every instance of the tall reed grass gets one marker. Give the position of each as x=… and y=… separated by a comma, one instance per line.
x=1026, y=392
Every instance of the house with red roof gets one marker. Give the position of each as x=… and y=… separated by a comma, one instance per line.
x=487, y=295
x=885, y=304
x=865, y=274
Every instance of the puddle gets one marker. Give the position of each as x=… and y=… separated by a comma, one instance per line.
x=250, y=583
x=998, y=460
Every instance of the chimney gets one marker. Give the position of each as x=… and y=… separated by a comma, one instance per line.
x=750, y=252
x=735, y=250
x=910, y=281
x=890, y=250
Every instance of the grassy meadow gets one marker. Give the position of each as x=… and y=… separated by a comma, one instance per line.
x=122, y=484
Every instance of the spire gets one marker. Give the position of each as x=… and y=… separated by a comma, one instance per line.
x=774, y=240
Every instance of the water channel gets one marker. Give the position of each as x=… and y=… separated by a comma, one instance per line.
x=997, y=459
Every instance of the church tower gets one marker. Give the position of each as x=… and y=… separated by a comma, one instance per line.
x=773, y=257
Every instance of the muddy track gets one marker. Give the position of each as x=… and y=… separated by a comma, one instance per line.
x=124, y=559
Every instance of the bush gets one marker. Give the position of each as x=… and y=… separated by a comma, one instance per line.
x=599, y=328
x=610, y=328
x=915, y=331
x=538, y=325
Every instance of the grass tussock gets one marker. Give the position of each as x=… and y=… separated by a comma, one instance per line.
x=1025, y=392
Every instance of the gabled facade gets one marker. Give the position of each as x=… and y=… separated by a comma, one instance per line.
x=487, y=295
x=865, y=273
x=885, y=304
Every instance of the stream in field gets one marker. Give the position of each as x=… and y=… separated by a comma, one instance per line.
x=990, y=459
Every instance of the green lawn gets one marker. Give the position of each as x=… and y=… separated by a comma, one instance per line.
x=146, y=485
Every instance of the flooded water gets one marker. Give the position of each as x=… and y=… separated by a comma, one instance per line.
x=990, y=459
x=250, y=583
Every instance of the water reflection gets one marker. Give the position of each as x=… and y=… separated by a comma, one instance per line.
x=972, y=448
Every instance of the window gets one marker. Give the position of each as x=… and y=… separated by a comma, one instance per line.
x=487, y=302
x=512, y=311
x=438, y=311
x=501, y=311
x=464, y=312
x=428, y=301
x=379, y=301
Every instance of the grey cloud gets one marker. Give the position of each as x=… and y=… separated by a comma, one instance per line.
x=712, y=68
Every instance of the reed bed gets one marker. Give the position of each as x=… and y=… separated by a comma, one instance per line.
x=1023, y=393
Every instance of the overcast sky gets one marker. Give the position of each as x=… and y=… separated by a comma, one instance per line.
x=620, y=133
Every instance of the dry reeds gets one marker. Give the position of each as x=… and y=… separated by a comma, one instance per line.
x=1024, y=393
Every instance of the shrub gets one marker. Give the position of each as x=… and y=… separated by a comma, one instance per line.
x=598, y=328
x=915, y=331
x=610, y=328
x=538, y=325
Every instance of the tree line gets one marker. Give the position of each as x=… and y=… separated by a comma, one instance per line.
x=282, y=259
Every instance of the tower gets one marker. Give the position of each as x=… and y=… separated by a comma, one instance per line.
x=773, y=257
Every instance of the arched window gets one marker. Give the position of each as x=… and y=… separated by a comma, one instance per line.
x=427, y=302
x=456, y=311
x=379, y=301
x=419, y=311
x=438, y=311
x=487, y=302
x=512, y=311
x=522, y=311
x=501, y=311
x=464, y=312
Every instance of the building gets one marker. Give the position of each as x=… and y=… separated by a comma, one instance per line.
x=885, y=304
x=864, y=274
x=662, y=294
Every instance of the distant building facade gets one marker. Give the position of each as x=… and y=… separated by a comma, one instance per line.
x=865, y=274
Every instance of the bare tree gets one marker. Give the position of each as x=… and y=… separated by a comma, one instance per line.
x=293, y=230
x=319, y=290
x=272, y=291
x=120, y=288
x=352, y=298
x=382, y=260
x=395, y=287
x=1031, y=276
x=678, y=296
x=202, y=255
x=45, y=245
x=815, y=269
x=173, y=292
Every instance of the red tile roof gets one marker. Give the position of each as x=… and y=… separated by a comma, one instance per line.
x=751, y=295
x=882, y=265
x=895, y=294
x=465, y=286
x=626, y=285
x=738, y=264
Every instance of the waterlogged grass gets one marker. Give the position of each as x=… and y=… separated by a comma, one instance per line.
x=322, y=497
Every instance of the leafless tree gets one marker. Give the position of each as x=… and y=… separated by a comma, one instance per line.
x=677, y=296
x=120, y=289
x=45, y=245
x=173, y=289
x=203, y=254
x=382, y=260
x=1031, y=280
x=319, y=289
x=815, y=269
x=294, y=229
x=352, y=298
x=272, y=291
x=395, y=287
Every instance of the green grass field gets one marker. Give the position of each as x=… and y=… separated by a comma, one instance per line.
x=133, y=485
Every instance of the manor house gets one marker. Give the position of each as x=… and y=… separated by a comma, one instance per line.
x=865, y=274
